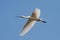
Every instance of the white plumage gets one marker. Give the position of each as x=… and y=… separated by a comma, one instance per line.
x=30, y=23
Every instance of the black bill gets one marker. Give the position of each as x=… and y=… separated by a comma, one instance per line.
x=44, y=21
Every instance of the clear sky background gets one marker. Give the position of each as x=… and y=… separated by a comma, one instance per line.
x=10, y=26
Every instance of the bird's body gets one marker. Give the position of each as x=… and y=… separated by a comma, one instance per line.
x=31, y=21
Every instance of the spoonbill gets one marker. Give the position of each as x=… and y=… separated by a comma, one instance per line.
x=31, y=21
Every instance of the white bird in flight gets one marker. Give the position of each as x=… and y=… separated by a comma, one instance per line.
x=31, y=21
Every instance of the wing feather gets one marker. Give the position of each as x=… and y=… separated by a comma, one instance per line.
x=27, y=27
x=36, y=13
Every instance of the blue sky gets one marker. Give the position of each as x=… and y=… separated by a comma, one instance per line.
x=12, y=26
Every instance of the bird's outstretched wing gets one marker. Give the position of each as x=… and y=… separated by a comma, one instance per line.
x=36, y=13
x=27, y=27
